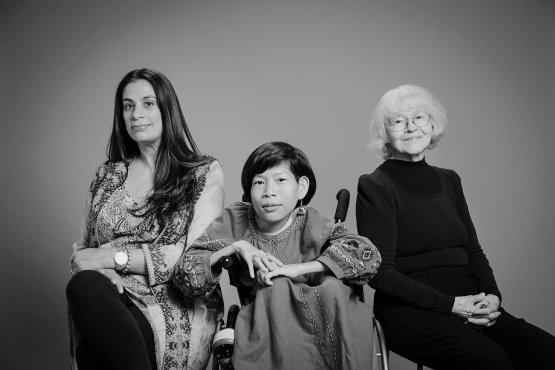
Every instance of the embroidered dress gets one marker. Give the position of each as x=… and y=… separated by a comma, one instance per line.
x=183, y=326
x=314, y=321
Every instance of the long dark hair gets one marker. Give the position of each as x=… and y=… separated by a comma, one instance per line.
x=178, y=154
x=272, y=154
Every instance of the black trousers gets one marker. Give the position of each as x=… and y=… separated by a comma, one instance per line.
x=445, y=341
x=115, y=333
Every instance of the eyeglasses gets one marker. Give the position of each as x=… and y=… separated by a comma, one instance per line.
x=399, y=123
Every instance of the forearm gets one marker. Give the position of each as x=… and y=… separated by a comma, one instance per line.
x=310, y=267
x=136, y=260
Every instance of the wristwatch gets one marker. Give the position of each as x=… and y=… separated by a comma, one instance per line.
x=121, y=259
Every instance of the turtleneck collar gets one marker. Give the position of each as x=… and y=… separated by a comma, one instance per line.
x=398, y=164
x=419, y=178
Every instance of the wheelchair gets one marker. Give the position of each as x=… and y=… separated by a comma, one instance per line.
x=222, y=344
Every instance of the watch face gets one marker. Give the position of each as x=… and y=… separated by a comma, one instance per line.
x=120, y=258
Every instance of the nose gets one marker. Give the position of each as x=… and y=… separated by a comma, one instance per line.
x=137, y=112
x=410, y=125
x=269, y=190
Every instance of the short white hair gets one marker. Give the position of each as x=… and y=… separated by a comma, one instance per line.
x=405, y=97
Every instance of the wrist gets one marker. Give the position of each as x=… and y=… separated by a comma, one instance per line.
x=121, y=260
x=108, y=258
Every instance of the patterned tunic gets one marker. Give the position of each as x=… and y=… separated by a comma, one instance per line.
x=314, y=321
x=183, y=326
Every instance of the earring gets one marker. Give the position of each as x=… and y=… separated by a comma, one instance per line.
x=302, y=210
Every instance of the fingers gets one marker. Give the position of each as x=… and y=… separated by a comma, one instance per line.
x=478, y=321
x=275, y=260
x=268, y=277
x=114, y=278
x=263, y=278
x=477, y=298
x=266, y=261
x=250, y=266
x=260, y=277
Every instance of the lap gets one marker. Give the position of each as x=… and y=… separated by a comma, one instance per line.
x=440, y=341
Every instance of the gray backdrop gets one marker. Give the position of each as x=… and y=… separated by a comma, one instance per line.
x=248, y=71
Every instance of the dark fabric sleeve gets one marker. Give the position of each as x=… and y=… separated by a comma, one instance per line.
x=376, y=215
x=478, y=262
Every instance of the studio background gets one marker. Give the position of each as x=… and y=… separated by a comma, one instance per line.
x=308, y=72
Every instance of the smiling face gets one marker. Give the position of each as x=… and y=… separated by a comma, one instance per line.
x=409, y=132
x=274, y=195
x=143, y=120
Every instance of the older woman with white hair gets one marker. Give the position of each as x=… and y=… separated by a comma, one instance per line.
x=436, y=295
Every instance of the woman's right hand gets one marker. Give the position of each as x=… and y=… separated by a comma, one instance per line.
x=114, y=277
x=255, y=258
x=464, y=305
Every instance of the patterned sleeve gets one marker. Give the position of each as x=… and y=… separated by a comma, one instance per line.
x=193, y=274
x=161, y=257
x=350, y=256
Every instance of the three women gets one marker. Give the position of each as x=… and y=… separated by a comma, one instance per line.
x=156, y=195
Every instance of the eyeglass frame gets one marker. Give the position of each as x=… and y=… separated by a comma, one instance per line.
x=407, y=119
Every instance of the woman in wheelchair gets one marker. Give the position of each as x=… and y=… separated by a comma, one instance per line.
x=301, y=311
x=436, y=295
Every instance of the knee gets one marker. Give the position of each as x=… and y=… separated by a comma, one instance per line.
x=84, y=284
x=488, y=357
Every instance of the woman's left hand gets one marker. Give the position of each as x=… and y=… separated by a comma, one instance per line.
x=289, y=271
x=92, y=259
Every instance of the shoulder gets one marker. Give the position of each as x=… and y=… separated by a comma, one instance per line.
x=450, y=175
x=208, y=166
x=317, y=228
x=315, y=217
x=236, y=218
x=376, y=178
x=113, y=172
x=375, y=182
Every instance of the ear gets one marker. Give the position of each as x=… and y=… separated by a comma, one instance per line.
x=302, y=189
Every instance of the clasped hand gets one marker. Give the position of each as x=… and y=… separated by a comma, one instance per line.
x=255, y=258
x=480, y=309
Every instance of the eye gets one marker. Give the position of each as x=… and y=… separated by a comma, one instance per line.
x=127, y=106
x=149, y=104
x=398, y=121
x=257, y=182
x=281, y=179
x=419, y=116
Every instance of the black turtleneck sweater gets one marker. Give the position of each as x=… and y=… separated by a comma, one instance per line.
x=417, y=216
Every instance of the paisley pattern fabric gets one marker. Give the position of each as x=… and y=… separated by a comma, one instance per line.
x=314, y=321
x=175, y=319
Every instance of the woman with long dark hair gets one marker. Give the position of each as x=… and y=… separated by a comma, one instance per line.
x=147, y=203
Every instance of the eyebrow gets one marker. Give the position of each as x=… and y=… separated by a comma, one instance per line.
x=143, y=98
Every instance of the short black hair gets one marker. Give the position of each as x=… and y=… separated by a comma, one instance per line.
x=272, y=154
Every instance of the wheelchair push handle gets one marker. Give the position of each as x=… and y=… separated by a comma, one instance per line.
x=343, y=197
x=232, y=316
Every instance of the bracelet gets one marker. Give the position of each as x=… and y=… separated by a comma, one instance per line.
x=127, y=265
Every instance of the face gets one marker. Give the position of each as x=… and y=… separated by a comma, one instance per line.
x=274, y=195
x=409, y=132
x=141, y=113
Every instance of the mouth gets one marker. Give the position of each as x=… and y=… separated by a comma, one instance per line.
x=412, y=138
x=140, y=127
x=271, y=206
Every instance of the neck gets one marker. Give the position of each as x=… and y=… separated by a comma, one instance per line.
x=148, y=155
x=273, y=229
x=408, y=157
